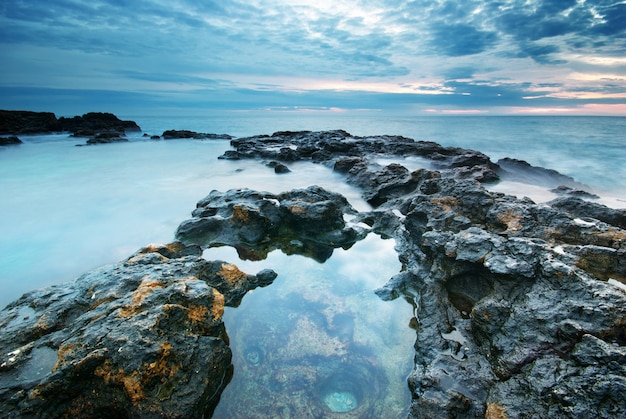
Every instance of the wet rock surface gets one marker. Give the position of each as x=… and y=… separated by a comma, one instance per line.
x=142, y=338
x=308, y=222
x=517, y=309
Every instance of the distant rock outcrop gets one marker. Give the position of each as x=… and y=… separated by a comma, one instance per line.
x=12, y=140
x=26, y=122
x=88, y=125
x=179, y=134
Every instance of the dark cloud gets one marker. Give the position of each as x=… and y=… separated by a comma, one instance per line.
x=458, y=40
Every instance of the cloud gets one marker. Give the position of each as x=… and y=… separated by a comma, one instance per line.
x=458, y=40
x=448, y=52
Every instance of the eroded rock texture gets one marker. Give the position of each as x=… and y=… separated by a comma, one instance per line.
x=515, y=314
x=142, y=338
x=308, y=222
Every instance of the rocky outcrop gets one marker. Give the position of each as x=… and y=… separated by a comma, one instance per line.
x=88, y=125
x=93, y=123
x=26, y=122
x=12, y=140
x=328, y=147
x=308, y=222
x=142, y=338
x=515, y=317
x=519, y=307
x=178, y=134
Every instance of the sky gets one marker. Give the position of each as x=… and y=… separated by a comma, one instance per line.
x=419, y=57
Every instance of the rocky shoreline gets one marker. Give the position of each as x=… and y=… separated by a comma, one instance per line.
x=519, y=307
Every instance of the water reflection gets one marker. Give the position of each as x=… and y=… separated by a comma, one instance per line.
x=318, y=342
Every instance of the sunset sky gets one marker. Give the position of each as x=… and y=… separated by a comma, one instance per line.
x=420, y=57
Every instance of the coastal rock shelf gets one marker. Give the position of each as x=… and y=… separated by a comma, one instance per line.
x=519, y=307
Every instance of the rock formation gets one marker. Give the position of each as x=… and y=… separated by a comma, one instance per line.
x=142, y=338
x=519, y=306
x=11, y=140
x=177, y=134
x=88, y=125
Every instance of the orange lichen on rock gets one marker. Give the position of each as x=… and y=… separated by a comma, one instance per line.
x=61, y=353
x=232, y=274
x=512, y=220
x=218, y=304
x=495, y=411
x=297, y=210
x=135, y=383
x=447, y=203
x=241, y=214
x=197, y=313
x=144, y=289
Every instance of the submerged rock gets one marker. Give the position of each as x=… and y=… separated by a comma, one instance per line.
x=10, y=140
x=177, y=134
x=142, y=338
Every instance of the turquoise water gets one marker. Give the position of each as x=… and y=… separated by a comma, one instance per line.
x=319, y=340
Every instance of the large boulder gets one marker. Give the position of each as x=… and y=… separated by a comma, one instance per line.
x=141, y=338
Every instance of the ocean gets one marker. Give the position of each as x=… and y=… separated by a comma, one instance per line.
x=67, y=209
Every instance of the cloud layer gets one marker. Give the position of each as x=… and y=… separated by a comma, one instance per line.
x=413, y=55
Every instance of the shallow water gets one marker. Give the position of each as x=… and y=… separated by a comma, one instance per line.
x=66, y=209
x=319, y=340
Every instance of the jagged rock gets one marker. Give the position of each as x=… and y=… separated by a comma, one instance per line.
x=336, y=148
x=307, y=221
x=10, y=140
x=524, y=172
x=580, y=208
x=175, y=134
x=141, y=338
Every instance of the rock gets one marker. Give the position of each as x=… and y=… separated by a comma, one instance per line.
x=26, y=122
x=579, y=208
x=10, y=140
x=177, y=134
x=307, y=222
x=566, y=190
x=92, y=123
x=141, y=338
x=522, y=171
x=106, y=138
x=278, y=167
